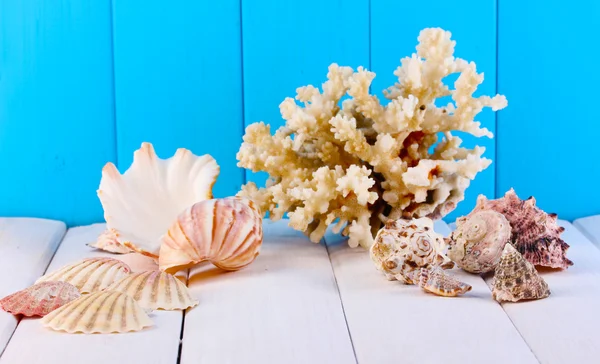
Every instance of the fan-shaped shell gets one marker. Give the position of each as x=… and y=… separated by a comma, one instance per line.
x=90, y=274
x=108, y=241
x=101, y=312
x=535, y=234
x=227, y=232
x=156, y=290
x=436, y=281
x=402, y=247
x=516, y=279
x=40, y=299
x=141, y=204
x=478, y=240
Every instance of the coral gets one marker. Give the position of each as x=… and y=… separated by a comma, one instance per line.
x=535, y=234
x=402, y=247
x=478, y=241
x=359, y=162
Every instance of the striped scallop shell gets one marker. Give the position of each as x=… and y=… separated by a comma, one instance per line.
x=108, y=241
x=101, y=312
x=90, y=274
x=227, y=232
x=40, y=299
x=156, y=290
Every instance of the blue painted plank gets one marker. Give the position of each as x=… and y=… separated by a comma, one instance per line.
x=395, y=26
x=288, y=45
x=56, y=108
x=548, y=71
x=178, y=81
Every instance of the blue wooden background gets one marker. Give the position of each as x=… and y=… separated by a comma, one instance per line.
x=83, y=83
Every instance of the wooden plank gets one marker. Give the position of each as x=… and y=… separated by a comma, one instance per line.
x=473, y=27
x=283, y=308
x=391, y=323
x=590, y=227
x=178, y=81
x=530, y=48
x=26, y=248
x=294, y=48
x=158, y=344
x=56, y=108
x=562, y=328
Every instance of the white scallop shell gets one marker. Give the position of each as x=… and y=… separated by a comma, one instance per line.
x=156, y=290
x=90, y=274
x=109, y=242
x=101, y=312
x=141, y=204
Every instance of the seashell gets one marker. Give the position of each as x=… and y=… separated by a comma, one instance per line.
x=156, y=290
x=227, y=232
x=516, y=279
x=535, y=234
x=478, y=241
x=436, y=281
x=90, y=274
x=141, y=204
x=40, y=299
x=402, y=247
x=108, y=241
x=102, y=312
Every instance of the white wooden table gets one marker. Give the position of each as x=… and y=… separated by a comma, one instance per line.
x=301, y=302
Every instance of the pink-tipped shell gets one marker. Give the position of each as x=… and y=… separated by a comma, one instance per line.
x=40, y=299
x=227, y=232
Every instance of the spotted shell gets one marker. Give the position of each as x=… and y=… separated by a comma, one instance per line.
x=478, y=240
x=516, y=279
x=102, y=312
x=40, y=299
x=155, y=290
x=437, y=281
x=109, y=242
x=404, y=246
x=535, y=234
x=227, y=232
x=90, y=274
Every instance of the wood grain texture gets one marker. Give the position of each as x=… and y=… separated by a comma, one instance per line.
x=536, y=40
x=283, y=308
x=178, y=81
x=157, y=344
x=56, y=108
x=394, y=323
x=590, y=227
x=26, y=248
x=395, y=26
x=562, y=328
x=290, y=44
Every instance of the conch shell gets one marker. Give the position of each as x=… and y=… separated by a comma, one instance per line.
x=402, y=247
x=40, y=299
x=478, y=241
x=109, y=242
x=102, y=312
x=436, y=281
x=141, y=204
x=535, y=234
x=516, y=279
x=155, y=290
x=89, y=274
x=227, y=232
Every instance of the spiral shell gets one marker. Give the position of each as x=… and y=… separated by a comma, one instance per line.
x=40, y=299
x=402, y=247
x=227, y=232
x=477, y=242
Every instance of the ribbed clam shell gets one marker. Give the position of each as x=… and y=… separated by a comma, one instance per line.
x=436, y=281
x=90, y=274
x=40, y=299
x=227, y=232
x=108, y=241
x=156, y=290
x=101, y=312
x=143, y=202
